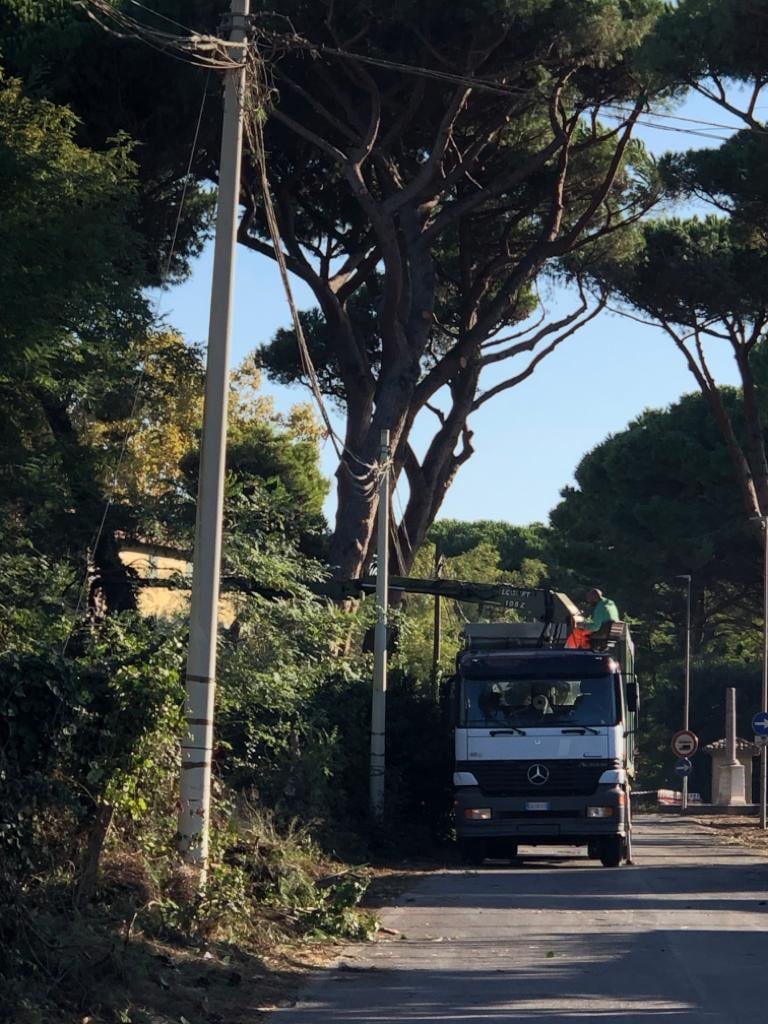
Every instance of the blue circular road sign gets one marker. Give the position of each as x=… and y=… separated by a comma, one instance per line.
x=684, y=767
x=760, y=723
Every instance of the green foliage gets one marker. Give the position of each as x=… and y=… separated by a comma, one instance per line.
x=483, y=551
x=650, y=503
x=729, y=178
x=74, y=339
x=699, y=39
x=710, y=678
x=63, y=57
x=278, y=737
x=693, y=271
x=279, y=358
x=514, y=543
x=267, y=883
x=655, y=501
x=102, y=726
x=421, y=253
x=68, y=259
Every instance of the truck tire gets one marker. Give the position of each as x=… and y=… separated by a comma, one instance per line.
x=612, y=851
x=473, y=851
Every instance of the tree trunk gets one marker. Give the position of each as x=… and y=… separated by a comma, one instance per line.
x=755, y=436
x=97, y=835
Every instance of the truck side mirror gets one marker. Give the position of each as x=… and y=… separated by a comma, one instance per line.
x=633, y=696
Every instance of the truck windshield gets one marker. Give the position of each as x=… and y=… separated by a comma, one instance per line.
x=532, y=703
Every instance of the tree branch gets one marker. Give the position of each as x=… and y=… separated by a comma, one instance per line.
x=305, y=133
x=486, y=396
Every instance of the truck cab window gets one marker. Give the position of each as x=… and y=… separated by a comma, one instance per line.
x=542, y=702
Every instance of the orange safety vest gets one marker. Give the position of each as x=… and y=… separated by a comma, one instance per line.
x=579, y=638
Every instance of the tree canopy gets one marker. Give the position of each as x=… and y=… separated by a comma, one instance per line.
x=421, y=210
x=655, y=502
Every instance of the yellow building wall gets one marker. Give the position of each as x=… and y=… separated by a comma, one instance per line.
x=150, y=563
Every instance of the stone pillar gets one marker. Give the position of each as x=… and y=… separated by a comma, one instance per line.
x=730, y=727
x=731, y=789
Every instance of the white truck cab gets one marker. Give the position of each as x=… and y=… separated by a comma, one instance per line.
x=544, y=742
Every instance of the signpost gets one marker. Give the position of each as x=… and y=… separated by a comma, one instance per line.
x=685, y=743
x=684, y=767
x=760, y=729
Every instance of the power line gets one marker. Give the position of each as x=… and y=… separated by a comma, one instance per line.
x=671, y=128
x=255, y=137
x=197, y=49
x=690, y=120
x=163, y=17
x=295, y=41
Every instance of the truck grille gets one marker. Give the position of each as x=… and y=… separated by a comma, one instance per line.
x=510, y=778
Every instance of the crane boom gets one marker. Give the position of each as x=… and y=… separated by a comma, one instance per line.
x=538, y=603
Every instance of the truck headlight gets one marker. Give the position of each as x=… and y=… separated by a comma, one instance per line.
x=600, y=812
x=477, y=813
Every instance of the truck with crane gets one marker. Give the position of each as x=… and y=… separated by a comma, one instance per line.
x=543, y=732
x=544, y=735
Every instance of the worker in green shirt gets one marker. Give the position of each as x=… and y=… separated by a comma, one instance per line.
x=603, y=611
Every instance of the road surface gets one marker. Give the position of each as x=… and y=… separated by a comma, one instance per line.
x=680, y=937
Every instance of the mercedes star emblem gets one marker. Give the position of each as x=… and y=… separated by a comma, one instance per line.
x=538, y=774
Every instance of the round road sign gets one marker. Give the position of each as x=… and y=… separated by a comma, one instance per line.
x=761, y=740
x=760, y=723
x=684, y=766
x=685, y=743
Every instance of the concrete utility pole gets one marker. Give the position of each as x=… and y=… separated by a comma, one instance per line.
x=379, y=695
x=687, y=684
x=197, y=745
x=438, y=625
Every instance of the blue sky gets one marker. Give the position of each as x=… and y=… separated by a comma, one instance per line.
x=528, y=440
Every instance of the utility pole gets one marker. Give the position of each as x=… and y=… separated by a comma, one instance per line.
x=379, y=694
x=687, y=684
x=197, y=744
x=438, y=626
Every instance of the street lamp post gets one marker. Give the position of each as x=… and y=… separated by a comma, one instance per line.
x=687, y=684
x=763, y=520
x=763, y=752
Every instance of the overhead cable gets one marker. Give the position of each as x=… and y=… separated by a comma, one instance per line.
x=255, y=103
x=201, y=50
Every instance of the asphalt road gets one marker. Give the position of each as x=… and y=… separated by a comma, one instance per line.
x=682, y=936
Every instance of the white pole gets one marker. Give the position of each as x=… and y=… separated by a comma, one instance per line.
x=197, y=744
x=687, y=688
x=379, y=694
x=763, y=753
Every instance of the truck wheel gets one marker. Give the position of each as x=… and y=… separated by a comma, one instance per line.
x=473, y=851
x=612, y=851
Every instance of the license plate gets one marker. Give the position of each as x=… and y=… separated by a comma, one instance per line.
x=537, y=805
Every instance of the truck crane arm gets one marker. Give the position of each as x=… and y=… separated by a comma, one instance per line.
x=536, y=603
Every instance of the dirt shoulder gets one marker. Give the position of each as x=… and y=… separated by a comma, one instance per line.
x=737, y=830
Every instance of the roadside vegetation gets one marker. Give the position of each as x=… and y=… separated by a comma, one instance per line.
x=100, y=415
